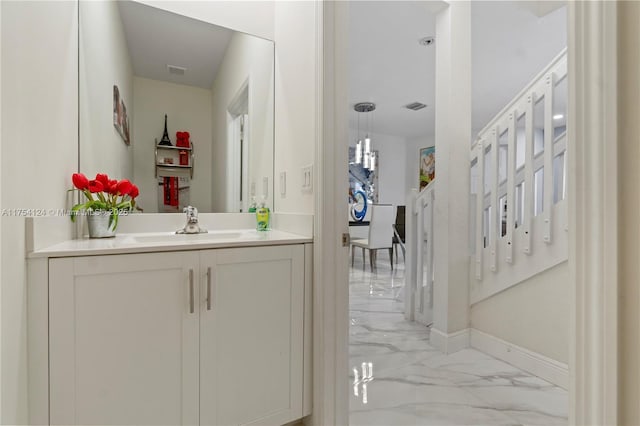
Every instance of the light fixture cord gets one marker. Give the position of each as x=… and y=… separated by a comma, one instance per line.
x=367, y=124
x=372, y=121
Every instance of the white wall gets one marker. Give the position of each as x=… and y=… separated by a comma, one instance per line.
x=392, y=162
x=247, y=60
x=188, y=108
x=39, y=130
x=296, y=100
x=1, y=206
x=510, y=45
x=533, y=314
x=104, y=61
x=39, y=154
x=251, y=17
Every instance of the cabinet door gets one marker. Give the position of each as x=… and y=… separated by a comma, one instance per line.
x=252, y=336
x=124, y=339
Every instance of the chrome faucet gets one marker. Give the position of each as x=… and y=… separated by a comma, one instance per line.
x=192, y=226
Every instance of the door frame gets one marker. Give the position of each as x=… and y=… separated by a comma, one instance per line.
x=237, y=157
x=238, y=161
x=593, y=212
x=592, y=46
x=331, y=258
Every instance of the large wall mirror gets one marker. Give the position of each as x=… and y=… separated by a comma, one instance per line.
x=139, y=63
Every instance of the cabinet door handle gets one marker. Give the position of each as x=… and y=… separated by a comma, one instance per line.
x=208, y=288
x=191, y=297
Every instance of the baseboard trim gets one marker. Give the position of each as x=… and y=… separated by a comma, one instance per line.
x=537, y=364
x=449, y=342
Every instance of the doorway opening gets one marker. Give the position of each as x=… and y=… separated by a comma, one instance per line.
x=238, y=198
x=397, y=375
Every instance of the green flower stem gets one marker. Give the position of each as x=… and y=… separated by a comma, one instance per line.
x=87, y=194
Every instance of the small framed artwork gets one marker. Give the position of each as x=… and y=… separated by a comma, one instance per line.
x=120, y=117
x=427, y=166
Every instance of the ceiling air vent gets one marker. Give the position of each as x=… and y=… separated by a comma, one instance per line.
x=427, y=41
x=174, y=69
x=415, y=106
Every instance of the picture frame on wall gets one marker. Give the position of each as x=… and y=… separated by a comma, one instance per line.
x=427, y=169
x=120, y=117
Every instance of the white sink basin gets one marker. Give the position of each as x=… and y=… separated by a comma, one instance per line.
x=172, y=237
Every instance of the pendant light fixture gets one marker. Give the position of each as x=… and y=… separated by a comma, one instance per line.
x=365, y=156
x=358, y=145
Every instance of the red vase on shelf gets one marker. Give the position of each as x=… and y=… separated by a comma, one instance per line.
x=184, y=158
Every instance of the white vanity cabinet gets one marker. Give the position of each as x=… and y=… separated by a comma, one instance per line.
x=210, y=337
x=123, y=344
x=251, y=336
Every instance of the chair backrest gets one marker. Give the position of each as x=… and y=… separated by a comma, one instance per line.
x=400, y=221
x=380, y=226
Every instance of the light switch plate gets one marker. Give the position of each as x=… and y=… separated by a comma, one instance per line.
x=307, y=179
x=283, y=183
x=265, y=187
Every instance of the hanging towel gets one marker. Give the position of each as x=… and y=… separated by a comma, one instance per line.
x=170, y=191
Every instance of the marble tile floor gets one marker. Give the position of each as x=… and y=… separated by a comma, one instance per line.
x=398, y=378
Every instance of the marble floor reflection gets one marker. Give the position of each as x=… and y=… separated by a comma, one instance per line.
x=398, y=378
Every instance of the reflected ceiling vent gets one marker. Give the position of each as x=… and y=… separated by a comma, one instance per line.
x=176, y=70
x=427, y=41
x=415, y=106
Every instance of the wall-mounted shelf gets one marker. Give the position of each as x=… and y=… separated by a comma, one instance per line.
x=174, y=147
x=167, y=161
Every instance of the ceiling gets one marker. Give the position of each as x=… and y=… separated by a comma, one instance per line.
x=387, y=66
x=511, y=43
x=157, y=38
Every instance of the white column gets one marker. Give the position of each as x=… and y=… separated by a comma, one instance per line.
x=593, y=196
x=451, y=213
x=629, y=225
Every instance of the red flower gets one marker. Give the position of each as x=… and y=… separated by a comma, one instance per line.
x=124, y=186
x=134, y=192
x=95, y=186
x=80, y=181
x=112, y=187
x=110, y=194
x=103, y=179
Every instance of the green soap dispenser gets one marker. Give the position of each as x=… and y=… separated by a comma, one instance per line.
x=254, y=206
x=263, y=216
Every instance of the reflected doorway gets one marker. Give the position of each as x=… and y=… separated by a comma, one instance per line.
x=238, y=152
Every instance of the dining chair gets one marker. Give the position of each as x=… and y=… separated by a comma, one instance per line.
x=399, y=233
x=380, y=235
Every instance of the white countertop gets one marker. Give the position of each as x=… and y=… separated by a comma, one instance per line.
x=168, y=241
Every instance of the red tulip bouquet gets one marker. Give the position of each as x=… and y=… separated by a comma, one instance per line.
x=103, y=194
